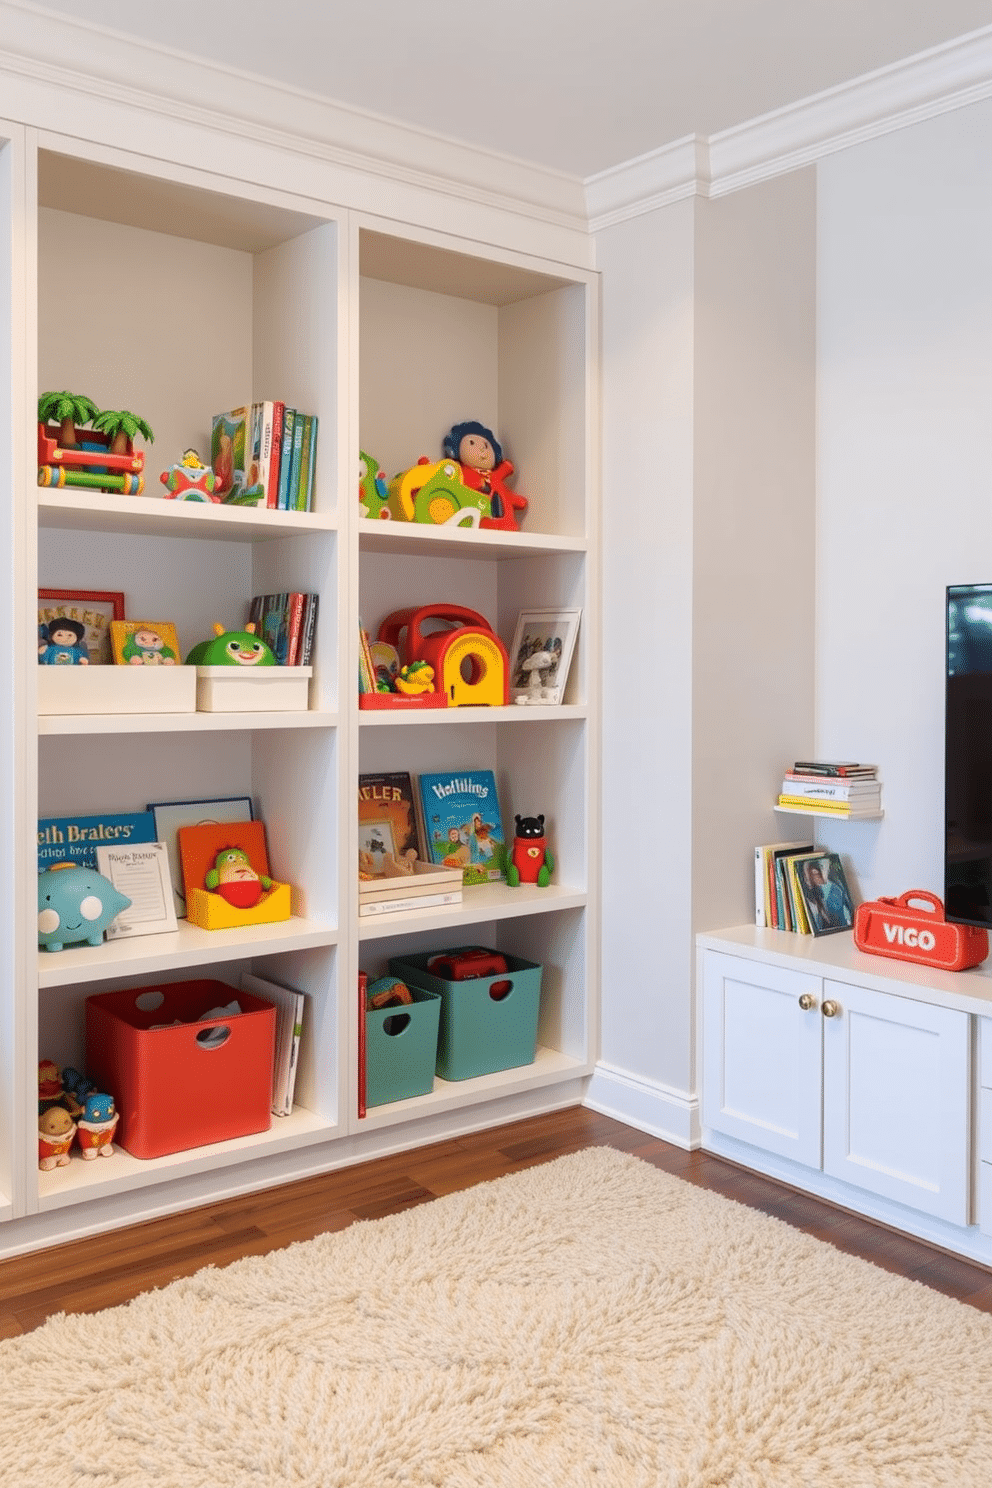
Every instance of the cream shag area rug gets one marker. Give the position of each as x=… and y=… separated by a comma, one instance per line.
x=589, y=1322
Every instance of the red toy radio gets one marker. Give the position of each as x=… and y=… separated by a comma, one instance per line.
x=470, y=663
x=888, y=927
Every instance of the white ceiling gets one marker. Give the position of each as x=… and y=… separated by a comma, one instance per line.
x=573, y=85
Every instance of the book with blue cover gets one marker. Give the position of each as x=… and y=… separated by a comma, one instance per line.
x=462, y=825
x=75, y=839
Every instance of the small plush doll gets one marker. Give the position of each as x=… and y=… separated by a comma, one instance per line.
x=532, y=861
x=97, y=1125
x=480, y=455
x=66, y=646
x=234, y=879
x=56, y=1130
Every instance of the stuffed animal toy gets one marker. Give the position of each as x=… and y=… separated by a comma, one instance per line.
x=232, y=648
x=234, y=879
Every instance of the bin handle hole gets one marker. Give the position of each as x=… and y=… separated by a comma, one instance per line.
x=147, y=1002
x=499, y=990
x=395, y=1023
x=213, y=1038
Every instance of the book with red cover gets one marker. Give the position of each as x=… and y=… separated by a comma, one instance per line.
x=363, y=983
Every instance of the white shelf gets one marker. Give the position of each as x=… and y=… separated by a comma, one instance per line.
x=515, y=713
x=150, y=516
x=481, y=902
x=180, y=723
x=97, y=1178
x=549, y=1067
x=418, y=540
x=186, y=946
x=829, y=815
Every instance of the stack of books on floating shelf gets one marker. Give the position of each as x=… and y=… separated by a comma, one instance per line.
x=832, y=788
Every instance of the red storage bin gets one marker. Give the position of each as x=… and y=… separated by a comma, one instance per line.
x=183, y=1086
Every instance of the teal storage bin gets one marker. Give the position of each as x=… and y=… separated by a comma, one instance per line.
x=401, y=1049
x=487, y=1023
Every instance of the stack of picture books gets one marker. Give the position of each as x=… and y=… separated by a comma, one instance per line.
x=287, y=623
x=831, y=788
x=267, y=449
x=289, y=1005
x=421, y=842
x=802, y=888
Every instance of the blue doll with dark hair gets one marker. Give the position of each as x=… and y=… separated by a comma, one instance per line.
x=474, y=436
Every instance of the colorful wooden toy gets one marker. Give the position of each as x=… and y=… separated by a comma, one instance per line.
x=435, y=494
x=373, y=488
x=471, y=667
x=190, y=480
x=100, y=458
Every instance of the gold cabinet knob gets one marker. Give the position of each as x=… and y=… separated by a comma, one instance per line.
x=807, y=1001
x=831, y=1009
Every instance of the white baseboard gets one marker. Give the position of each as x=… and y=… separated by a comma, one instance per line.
x=672, y=1115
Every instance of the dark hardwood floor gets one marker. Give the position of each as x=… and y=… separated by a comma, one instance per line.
x=107, y=1269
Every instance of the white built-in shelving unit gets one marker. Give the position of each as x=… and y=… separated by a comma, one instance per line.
x=176, y=291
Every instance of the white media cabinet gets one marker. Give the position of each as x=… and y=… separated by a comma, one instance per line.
x=862, y=1079
x=179, y=267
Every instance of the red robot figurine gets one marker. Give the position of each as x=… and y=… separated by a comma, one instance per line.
x=532, y=861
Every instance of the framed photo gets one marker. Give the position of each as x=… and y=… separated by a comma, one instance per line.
x=145, y=643
x=826, y=896
x=169, y=816
x=91, y=608
x=542, y=654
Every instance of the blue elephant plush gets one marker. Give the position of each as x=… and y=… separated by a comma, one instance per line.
x=75, y=904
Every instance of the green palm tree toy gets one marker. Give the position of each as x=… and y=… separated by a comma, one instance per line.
x=67, y=410
x=120, y=429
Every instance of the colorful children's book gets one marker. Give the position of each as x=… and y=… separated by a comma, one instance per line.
x=230, y=449
x=286, y=457
x=75, y=839
x=289, y=1005
x=387, y=817
x=462, y=825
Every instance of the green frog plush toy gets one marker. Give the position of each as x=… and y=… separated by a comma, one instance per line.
x=232, y=648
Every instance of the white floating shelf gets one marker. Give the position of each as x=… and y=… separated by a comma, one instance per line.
x=417, y=539
x=180, y=723
x=101, y=1178
x=829, y=815
x=480, y=902
x=187, y=945
x=515, y=713
x=150, y=515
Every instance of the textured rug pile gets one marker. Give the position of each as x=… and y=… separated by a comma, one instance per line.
x=588, y=1322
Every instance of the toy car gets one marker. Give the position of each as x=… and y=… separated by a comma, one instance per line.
x=460, y=966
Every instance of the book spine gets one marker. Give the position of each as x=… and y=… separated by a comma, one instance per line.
x=824, y=767
x=411, y=902
x=363, y=983
x=760, y=881
x=294, y=1054
x=293, y=495
x=294, y=626
x=832, y=808
x=275, y=459
x=802, y=920
x=831, y=790
x=311, y=462
x=309, y=628
x=286, y=457
x=366, y=670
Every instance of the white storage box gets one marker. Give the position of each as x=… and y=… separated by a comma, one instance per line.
x=234, y=689
x=116, y=689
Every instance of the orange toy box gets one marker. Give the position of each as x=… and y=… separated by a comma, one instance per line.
x=178, y=1082
x=890, y=927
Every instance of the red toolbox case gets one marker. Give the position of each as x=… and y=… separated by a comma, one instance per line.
x=889, y=927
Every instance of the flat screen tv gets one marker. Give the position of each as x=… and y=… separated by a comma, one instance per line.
x=968, y=756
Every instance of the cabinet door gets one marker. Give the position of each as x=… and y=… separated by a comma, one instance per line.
x=761, y=1055
x=895, y=1098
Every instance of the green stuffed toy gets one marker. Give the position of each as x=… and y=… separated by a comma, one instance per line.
x=232, y=648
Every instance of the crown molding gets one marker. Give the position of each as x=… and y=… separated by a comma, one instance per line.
x=39, y=47
x=947, y=77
